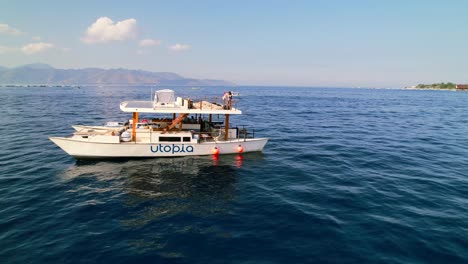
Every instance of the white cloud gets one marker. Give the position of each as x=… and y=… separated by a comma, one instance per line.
x=5, y=49
x=36, y=38
x=105, y=30
x=6, y=29
x=149, y=42
x=179, y=47
x=34, y=48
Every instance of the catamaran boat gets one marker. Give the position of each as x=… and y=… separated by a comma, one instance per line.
x=190, y=131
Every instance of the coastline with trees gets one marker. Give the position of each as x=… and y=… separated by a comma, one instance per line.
x=435, y=86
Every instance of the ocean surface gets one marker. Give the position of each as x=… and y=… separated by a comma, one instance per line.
x=348, y=176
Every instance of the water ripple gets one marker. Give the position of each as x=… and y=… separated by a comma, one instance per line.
x=349, y=175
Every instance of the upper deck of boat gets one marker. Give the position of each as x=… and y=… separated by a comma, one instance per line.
x=184, y=106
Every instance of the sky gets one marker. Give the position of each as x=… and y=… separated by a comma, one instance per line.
x=329, y=43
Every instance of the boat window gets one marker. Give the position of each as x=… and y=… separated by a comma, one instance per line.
x=169, y=139
x=186, y=139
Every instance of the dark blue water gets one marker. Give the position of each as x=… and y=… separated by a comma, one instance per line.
x=348, y=176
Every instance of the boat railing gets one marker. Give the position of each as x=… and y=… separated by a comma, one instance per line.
x=217, y=135
x=242, y=133
x=245, y=133
x=203, y=136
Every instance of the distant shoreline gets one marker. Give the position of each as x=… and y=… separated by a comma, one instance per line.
x=100, y=85
x=431, y=89
x=434, y=86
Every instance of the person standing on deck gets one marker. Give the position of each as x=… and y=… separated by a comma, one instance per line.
x=229, y=100
x=225, y=99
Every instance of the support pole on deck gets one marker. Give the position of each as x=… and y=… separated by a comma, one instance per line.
x=134, y=125
x=210, y=118
x=226, y=128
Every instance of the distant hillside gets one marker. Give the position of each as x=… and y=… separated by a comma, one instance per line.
x=45, y=74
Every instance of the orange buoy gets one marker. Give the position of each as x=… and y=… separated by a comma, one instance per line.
x=215, y=151
x=240, y=149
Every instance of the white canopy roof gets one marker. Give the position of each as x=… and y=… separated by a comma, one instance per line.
x=202, y=107
x=164, y=102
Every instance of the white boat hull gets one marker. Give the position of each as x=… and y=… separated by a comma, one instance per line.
x=98, y=150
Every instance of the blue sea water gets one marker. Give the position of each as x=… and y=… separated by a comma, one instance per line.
x=348, y=176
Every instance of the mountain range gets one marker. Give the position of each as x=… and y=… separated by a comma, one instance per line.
x=45, y=74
